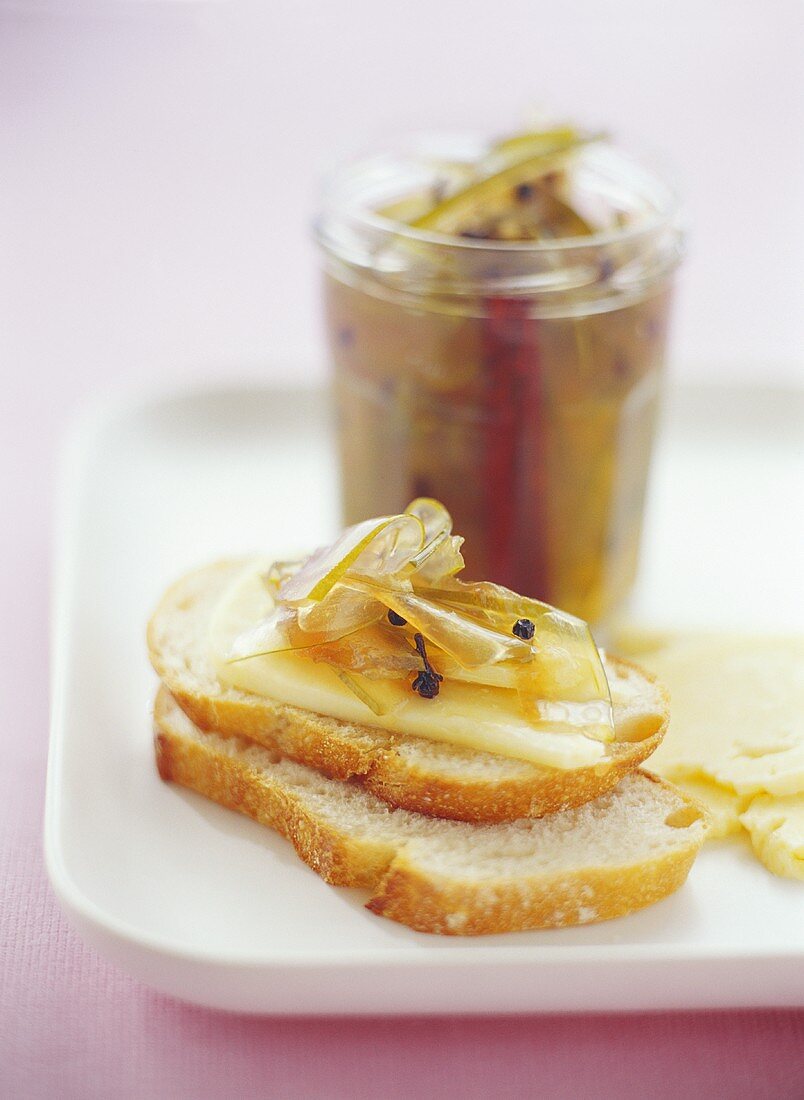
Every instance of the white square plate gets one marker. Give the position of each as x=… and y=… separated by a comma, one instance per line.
x=211, y=907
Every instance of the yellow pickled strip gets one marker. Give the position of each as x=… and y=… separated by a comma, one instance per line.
x=469, y=642
x=322, y=571
x=535, y=142
x=447, y=216
x=377, y=697
x=267, y=638
x=567, y=657
x=435, y=518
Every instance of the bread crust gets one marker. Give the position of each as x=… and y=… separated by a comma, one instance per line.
x=403, y=887
x=445, y=906
x=227, y=781
x=343, y=750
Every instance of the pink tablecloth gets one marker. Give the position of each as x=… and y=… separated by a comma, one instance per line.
x=73, y=1026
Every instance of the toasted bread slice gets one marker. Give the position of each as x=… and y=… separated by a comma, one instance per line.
x=630, y=847
x=412, y=772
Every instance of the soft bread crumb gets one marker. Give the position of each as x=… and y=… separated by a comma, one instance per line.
x=634, y=820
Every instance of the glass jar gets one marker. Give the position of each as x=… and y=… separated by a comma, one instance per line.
x=517, y=382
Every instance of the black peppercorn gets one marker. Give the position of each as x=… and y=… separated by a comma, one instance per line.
x=396, y=620
x=426, y=684
x=524, y=629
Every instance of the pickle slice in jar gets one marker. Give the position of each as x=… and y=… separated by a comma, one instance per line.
x=450, y=176
x=458, y=210
x=532, y=143
x=407, y=209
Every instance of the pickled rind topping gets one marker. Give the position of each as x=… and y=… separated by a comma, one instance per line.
x=333, y=609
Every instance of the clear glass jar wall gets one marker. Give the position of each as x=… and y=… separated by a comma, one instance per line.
x=517, y=382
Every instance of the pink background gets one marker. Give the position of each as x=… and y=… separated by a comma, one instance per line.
x=161, y=160
x=157, y=161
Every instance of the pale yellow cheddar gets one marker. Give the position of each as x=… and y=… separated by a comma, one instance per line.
x=776, y=826
x=723, y=806
x=736, y=735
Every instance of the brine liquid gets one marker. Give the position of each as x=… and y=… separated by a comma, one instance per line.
x=535, y=433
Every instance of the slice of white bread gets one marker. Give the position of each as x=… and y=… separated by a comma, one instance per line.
x=627, y=849
x=411, y=772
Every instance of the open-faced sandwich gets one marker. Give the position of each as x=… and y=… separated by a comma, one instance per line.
x=465, y=753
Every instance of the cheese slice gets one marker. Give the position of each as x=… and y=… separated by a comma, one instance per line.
x=776, y=826
x=723, y=806
x=736, y=735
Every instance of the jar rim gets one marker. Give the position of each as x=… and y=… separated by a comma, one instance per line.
x=666, y=214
